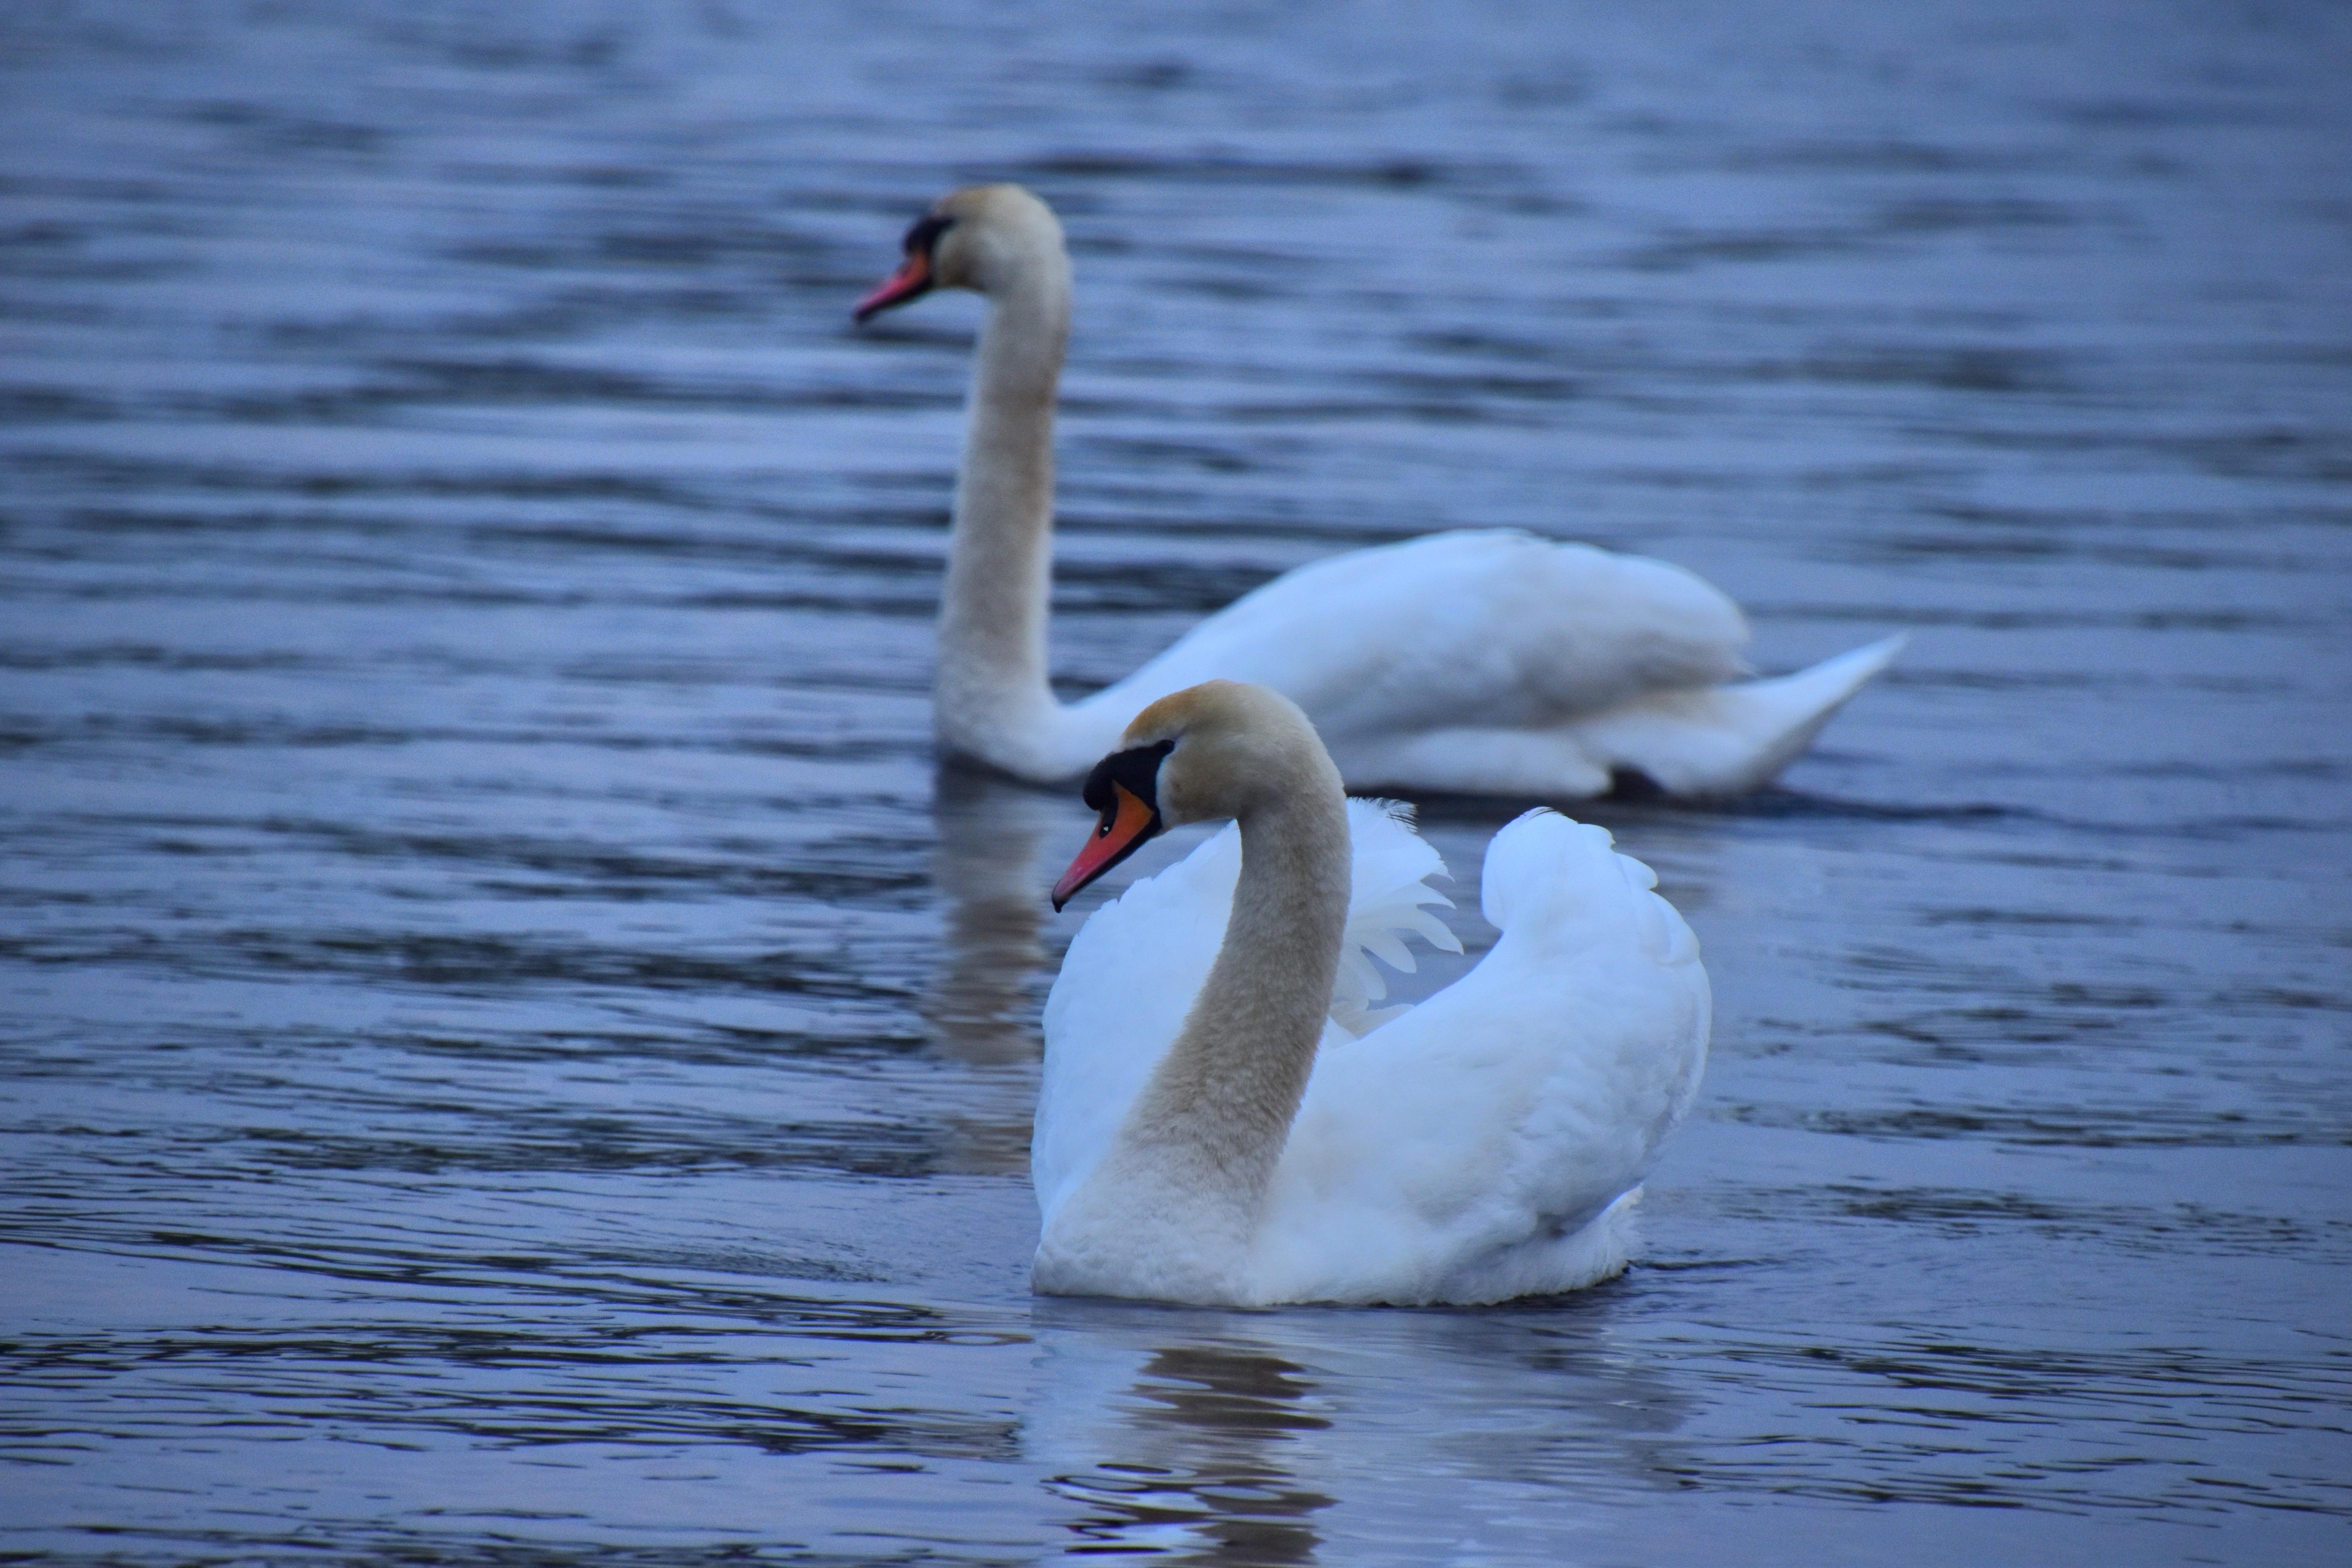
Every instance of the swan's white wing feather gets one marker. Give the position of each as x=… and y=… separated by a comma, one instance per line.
x=1507, y=1112
x=1387, y=899
x=1487, y=627
x=1492, y=660
x=1134, y=968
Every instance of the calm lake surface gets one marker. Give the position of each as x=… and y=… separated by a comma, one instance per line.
x=514, y=1049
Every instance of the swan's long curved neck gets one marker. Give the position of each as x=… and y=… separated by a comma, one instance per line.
x=992, y=697
x=1217, y=1111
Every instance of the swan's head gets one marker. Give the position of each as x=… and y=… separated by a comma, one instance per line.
x=1217, y=749
x=980, y=238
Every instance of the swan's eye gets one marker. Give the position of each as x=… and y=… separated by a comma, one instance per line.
x=1098, y=791
x=924, y=233
x=1138, y=768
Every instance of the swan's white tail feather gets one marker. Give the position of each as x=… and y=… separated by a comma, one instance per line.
x=1723, y=740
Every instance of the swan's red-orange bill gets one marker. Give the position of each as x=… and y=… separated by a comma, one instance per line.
x=913, y=278
x=1121, y=831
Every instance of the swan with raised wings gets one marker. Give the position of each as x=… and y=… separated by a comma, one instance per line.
x=1225, y=1118
x=1482, y=661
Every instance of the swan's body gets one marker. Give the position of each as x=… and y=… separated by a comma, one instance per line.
x=1474, y=661
x=1212, y=1130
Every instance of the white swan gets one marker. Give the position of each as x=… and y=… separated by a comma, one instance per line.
x=1478, y=661
x=1211, y=1131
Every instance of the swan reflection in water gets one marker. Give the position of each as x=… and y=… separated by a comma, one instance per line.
x=1195, y=1470
x=982, y=1005
x=993, y=840
x=1223, y=1437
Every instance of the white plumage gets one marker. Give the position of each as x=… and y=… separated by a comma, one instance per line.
x=1482, y=661
x=1485, y=1143
x=1491, y=662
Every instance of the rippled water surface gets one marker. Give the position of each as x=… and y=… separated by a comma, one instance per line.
x=514, y=1048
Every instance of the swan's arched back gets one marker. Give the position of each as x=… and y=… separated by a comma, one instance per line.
x=1478, y=1146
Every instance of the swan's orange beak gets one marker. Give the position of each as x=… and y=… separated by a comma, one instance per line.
x=913, y=278
x=1121, y=833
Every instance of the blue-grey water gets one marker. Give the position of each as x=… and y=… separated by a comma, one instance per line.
x=515, y=1052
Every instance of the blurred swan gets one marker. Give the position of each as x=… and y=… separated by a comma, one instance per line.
x=1210, y=1128
x=1486, y=661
